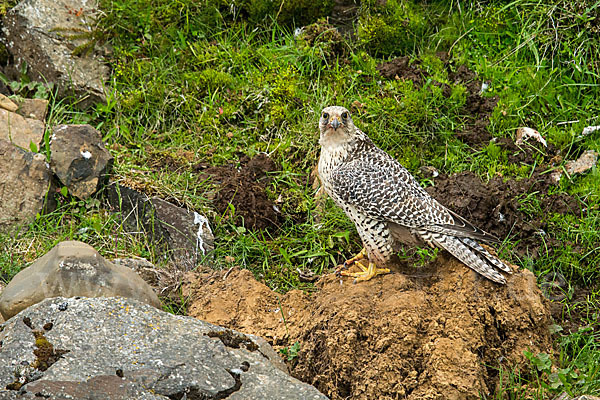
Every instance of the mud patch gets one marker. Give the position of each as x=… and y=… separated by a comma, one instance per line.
x=499, y=207
x=571, y=307
x=402, y=68
x=527, y=152
x=413, y=335
x=478, y=107
x=244, y=188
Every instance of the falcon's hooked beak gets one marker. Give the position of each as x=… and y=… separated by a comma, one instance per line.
x=334, y=122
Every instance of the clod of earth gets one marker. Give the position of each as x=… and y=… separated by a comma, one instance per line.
x=413, y=335
x=245, y=190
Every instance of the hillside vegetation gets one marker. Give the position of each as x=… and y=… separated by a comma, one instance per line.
x=214, y=99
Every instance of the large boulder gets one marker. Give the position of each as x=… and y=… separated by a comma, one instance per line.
x=36, y=34
x=437, y=332
x=79, y=158
x=25, y=180
x=115, y=348
x=72, y=269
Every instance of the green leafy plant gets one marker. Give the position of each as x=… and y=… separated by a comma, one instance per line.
x=290, y=352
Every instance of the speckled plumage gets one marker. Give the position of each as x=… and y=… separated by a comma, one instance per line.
x=387, y=204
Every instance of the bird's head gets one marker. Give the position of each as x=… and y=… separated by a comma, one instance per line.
x=336, y=125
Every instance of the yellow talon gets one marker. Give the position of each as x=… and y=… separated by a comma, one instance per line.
x=358, y=257
x=367, y=272
x=361, y=255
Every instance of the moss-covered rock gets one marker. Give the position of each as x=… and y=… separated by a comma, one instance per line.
x=324, y=38
x=395, y=26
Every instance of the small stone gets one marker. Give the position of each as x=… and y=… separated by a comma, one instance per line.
x=79, y=158
x=7, y=103
x=586, y=160
x=186, y=235
x=524, y=134
x=589, y=129
x=33, y=108
x=20, y=131
x=24, y=183
x=189, y=234
x=31, y=36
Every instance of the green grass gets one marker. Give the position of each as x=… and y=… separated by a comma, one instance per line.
x=198, y=83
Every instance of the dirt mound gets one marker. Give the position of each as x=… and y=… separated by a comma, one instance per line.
x=435, y=332
x=498, y=207
x=245, y=189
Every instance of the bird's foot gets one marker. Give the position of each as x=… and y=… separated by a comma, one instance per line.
x=348, y=263
x=367, y=272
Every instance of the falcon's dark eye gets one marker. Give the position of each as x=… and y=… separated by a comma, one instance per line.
x=344, y=115
x=325, y=116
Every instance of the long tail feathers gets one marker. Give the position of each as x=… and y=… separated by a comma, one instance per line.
x=492, y=259
x=470, y=253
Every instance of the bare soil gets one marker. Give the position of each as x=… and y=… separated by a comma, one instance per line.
x=438, y=332
x=244, y=187
x=496, y=206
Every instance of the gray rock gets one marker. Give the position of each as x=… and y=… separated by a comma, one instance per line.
x=72, y=269
x=24, y=183
x=186, y=235
x=92, y=342
x=33, y=108
x=136, y=209
x=144, y=268
x=20, y=131
x=99, y=387
x=36, y=34
x=79, y=159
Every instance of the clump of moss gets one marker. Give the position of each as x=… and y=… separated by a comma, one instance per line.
x=6, y=5
x=206, y=80
x=45, y=353
x=324, y=38
x=395, y=27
